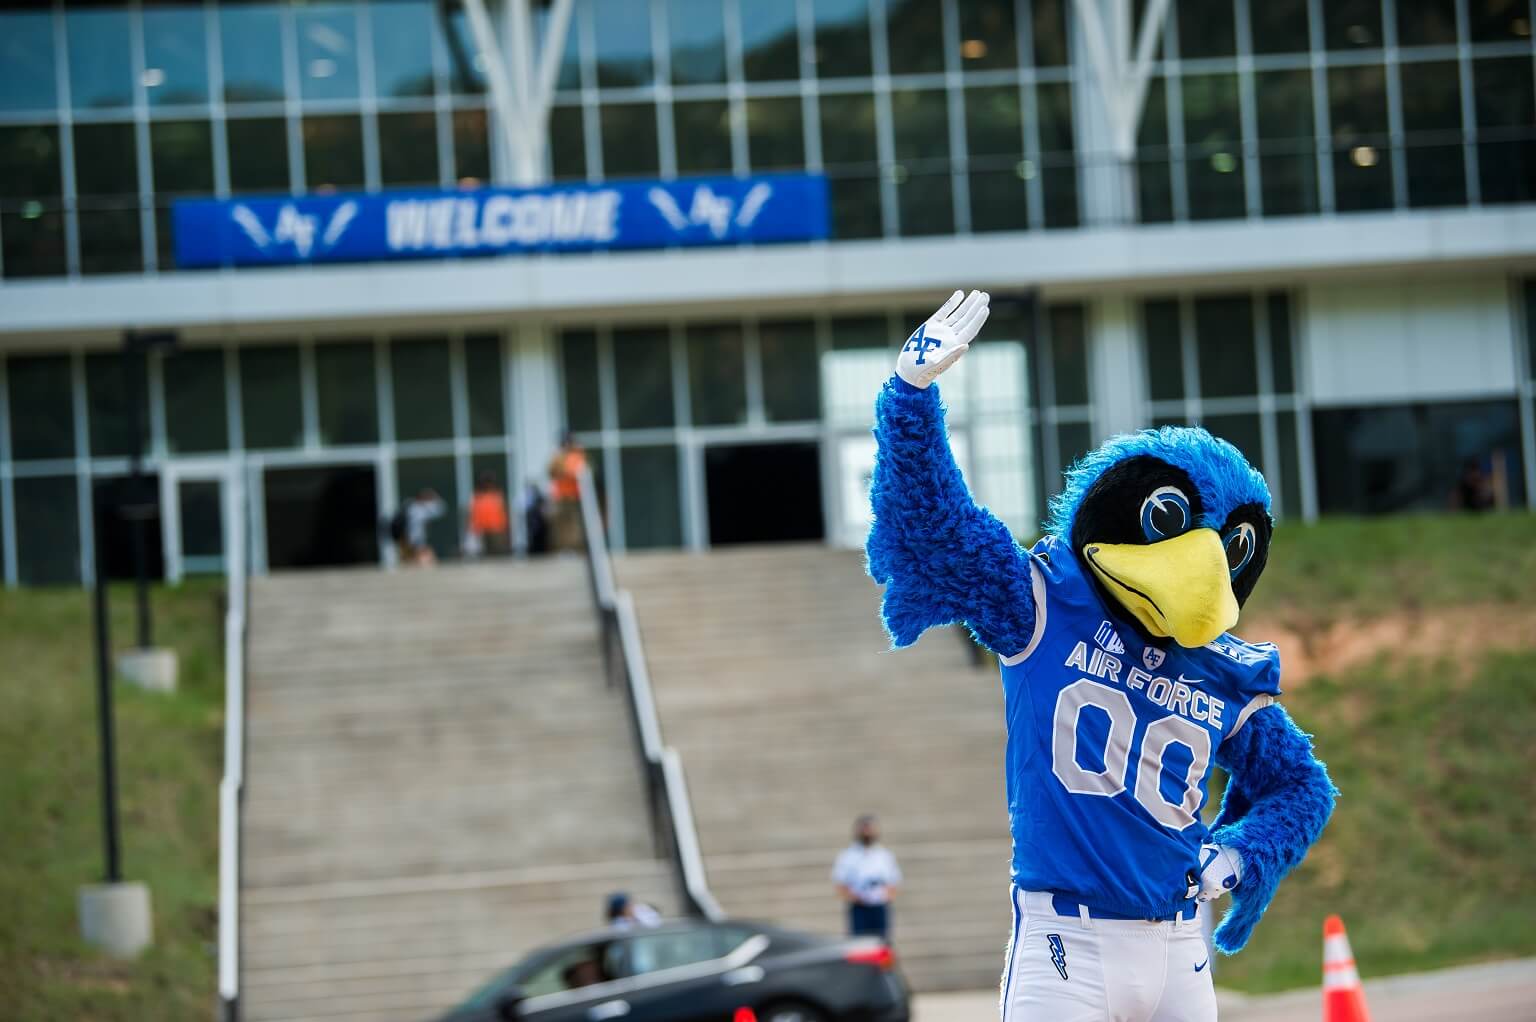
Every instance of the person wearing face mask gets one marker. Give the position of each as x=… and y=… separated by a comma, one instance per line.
x=867, y=878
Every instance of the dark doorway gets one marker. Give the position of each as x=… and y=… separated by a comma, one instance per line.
x=321, y=517
x=764, y=493
x=118, y=500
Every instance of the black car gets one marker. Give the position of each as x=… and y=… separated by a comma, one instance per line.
x=697, y=971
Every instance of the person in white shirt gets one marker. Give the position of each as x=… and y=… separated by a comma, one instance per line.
x=867, y=879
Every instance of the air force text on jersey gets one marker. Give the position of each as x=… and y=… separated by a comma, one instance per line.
x=1182, y=695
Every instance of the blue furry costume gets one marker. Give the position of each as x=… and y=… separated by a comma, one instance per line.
x=1147, y=505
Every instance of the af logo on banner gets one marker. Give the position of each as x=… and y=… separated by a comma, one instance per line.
x=500, y=221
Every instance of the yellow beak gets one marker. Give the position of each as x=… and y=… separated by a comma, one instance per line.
x=1180, y=588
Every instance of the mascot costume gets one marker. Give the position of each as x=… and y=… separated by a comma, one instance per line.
x=1122, y=688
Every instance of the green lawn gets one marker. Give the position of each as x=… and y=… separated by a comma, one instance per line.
x=170, y=759
x=1428, y=856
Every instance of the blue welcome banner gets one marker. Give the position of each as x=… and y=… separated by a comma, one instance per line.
x=499, y=221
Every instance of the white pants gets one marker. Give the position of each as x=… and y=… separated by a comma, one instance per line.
x=1077, y=969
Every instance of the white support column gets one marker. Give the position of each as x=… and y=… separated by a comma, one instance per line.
x=1117, y=377
x=534, y=415
x=522, y=88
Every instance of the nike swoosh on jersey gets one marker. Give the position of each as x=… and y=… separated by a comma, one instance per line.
x=1202, y=965
x=1191, y=681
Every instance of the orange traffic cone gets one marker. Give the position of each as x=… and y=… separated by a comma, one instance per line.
x=1343, y=997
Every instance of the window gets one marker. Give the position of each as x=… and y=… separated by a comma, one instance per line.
x=47, y=530
x=182, y=156
x=1213, y=134
x=252, y=49
x=915, y=31
x=1426, y=23
x=327, y=38
x=472, y=148
x=27, y=79
x=1495, y=21
x=483, y=378
x=408, y=149
x=1279, y=26
x=1287, y=153
x=988, y=35
x=703, y=134
x=258, y=155
x=1059, y=173
x=1206, y=30
x=786, y=347
x=629, y=140
x=995, y=137
x=1069, y=354
x=1154, y=166
x=642, y=360
x=175, y=55
x=42, y=409
x=775, y=133
x=270, y=397
x=578, y=364
x=1352, y=24
x=1242, y=431
x=347, y=392
x=696, y=29
x=195, y=411
x=1415, y=456
x=1362, y=171
x=842, y=38
x=403, y=31
x=1224, y=346
x=848, y=150
x=653, y=952
x=100, y=63
x=1282, y=373
x=1050, y=31
x=1505, y=99
x=652, y=509
x=1160, y=323
x=622, y=29
x=333, y=152
x=922, y=145
x=423, y=396
x=106, y=175
x=717, y=384
x=29, y=163
x=770, y=41
x=1431, y=96
x=110, y=389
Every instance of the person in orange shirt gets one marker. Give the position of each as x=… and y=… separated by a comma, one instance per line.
x=565, y=494
x=488, y=517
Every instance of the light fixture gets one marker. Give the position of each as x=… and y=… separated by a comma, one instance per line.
x=1358, y=34
x=322, y=67
x=31, y=210
x=152, y=77
x=973, y=49
x=1025, y=169
x=1223, y=163
x=1363, y=156
x=1521, y=27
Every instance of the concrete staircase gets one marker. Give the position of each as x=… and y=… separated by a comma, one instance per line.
x=436, y=781
x=775, y=681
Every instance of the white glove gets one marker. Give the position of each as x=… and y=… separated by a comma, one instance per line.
x=1221, y=870
x=939, y=343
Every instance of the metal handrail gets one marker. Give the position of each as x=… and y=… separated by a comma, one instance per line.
x=667, y=787
x=232, y=786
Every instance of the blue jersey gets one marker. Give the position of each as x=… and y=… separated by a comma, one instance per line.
x=1110, y=744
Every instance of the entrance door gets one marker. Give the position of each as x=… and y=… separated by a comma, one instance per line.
x=764, y=493
x=200, y=502
x=321, y=516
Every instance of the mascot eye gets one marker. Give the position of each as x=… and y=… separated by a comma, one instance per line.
x=1240, y=544
x=1165, y=514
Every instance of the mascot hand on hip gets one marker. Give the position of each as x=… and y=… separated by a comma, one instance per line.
x=1122, y=688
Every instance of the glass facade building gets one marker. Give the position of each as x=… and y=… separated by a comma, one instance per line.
x=1283, y=143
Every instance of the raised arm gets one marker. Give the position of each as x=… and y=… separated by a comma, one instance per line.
x=941, y=557
x=1278, y=800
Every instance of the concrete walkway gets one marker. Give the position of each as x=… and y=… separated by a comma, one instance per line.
x=1497, y=992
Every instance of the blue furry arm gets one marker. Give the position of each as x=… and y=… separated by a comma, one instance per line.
x=1278, y=800
x=940, y=557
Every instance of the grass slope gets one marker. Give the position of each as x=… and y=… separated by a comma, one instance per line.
x=1428, y=856
x=169, y=761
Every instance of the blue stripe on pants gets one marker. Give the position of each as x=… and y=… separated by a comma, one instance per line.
x=1013, y=940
